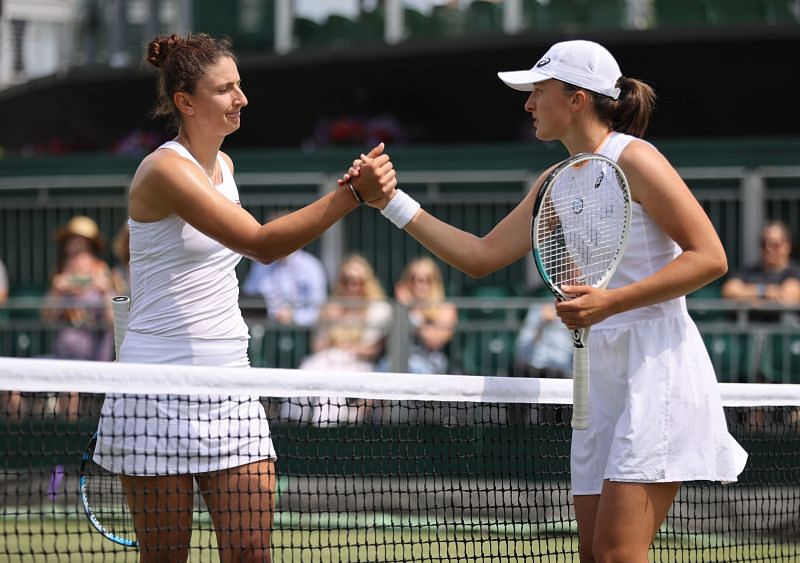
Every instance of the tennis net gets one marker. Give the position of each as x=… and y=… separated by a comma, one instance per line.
x=374, y=467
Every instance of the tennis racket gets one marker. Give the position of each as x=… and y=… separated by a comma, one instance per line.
x=103, y=500
x=101, y=492
x=580, y=226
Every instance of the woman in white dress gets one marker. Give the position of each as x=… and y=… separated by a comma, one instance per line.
x=656, y=415
x=187, y=233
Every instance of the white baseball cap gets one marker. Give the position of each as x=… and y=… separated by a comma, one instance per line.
x=580, y=63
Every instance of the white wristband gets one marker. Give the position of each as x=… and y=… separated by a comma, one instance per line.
x=401, y=209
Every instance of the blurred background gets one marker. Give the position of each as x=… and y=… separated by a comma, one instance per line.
x=326, y=79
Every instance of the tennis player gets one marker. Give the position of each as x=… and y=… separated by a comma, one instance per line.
x=656, y=415
x=187, y=234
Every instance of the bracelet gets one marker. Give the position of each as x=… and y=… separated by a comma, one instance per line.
x=357, y=195
x=401, y=209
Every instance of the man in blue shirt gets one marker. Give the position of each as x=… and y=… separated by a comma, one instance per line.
x=293, y=288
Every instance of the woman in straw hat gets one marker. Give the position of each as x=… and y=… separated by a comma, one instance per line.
x=78, y=299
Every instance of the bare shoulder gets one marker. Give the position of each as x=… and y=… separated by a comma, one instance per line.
x=161, y=175
x=648, y=171
x=640, y=155
x=160, y=165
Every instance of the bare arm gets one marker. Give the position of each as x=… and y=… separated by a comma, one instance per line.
x=656, y=185
x=167, y=183
x=478, y=256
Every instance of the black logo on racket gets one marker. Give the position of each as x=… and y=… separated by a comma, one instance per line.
x=600, y=179
x=543, y=62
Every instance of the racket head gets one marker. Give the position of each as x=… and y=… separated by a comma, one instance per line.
x=581, y=222
x=103, y=500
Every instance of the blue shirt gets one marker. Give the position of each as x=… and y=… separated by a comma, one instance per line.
x=297, y=281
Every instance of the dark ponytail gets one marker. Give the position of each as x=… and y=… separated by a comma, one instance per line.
x=631, y=112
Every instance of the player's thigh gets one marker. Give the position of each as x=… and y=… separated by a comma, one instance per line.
x=630, y=514
x=241, y=499
x=161, y=508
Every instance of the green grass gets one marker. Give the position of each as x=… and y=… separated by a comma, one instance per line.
x=71, y=538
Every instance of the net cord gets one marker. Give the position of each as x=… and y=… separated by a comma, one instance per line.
x=46, y=375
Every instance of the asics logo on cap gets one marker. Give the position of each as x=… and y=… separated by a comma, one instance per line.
x=543, y=62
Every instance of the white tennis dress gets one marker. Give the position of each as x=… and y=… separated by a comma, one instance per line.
x=656, y=413
x=185, y=310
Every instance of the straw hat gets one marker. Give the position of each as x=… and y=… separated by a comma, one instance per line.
x=81, y=226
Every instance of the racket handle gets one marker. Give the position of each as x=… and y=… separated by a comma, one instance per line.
x=580, y=388
x=120, y=306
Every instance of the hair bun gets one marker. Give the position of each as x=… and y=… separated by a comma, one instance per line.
x=160, y=48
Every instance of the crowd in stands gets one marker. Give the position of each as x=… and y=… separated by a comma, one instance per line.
x=348, y=330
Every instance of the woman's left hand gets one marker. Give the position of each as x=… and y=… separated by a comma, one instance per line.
x=588, y=306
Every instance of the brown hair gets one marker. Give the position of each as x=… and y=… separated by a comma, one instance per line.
x=182, y=62
x=631, y=112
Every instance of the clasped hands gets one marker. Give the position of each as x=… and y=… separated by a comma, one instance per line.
x=373, y=176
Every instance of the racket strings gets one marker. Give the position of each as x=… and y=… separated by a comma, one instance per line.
x=582, y=223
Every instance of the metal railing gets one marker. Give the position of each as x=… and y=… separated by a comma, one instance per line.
x=738, y=200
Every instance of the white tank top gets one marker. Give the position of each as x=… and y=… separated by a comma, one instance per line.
x=649, y=250
x=183, y=283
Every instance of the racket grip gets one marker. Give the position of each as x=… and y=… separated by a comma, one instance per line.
x=120, y=306
x=580, y=388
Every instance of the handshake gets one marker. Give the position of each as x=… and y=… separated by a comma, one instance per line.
x=373, y=181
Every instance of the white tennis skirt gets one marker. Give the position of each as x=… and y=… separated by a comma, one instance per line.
x=181, y=434
x=656, y=413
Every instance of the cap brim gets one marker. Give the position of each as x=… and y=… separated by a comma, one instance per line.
x=522, y=80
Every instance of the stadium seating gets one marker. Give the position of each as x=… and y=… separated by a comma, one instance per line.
x=675, y=13
x=308, y=33
x=483, y=16
x=607, y=14
x=447, y=22
x=370, y=27
x=417, y=24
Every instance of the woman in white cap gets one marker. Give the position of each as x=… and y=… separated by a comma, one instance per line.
x=652, y=383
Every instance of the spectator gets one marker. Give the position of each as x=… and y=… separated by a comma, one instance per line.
x=10, y=400
x=294, y=288
x=421, y=290
x=544, y=345
x=775, y=279
x=78, y=300
x=3, y=283
x=543, y=349
x=350, y=336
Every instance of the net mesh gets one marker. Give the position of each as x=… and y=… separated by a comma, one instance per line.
x=371, y=467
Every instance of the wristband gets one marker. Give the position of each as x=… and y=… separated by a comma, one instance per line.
x=401, y=209
x=357, y=195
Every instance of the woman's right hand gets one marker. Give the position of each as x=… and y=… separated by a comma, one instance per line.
x=374, y=177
